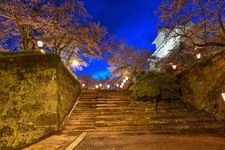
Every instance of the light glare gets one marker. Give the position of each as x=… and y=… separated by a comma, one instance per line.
x=75, y=63
x=40, y=44
x=198, y=56
x=42, y=51
x=223, y=96
x=174, y=67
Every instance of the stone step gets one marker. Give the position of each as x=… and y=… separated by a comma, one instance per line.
x=79, y=123
x=148, y=112
x=150, y=122
x=82, y=117
x=140, y=112
x=149, y=118
x=75, y=131
x=85, y=107
x=114, y=101
x=139, y=108
x=86, y=103
x=78, y=128
x=87, y=99
x=195, y=127
x=113, y=111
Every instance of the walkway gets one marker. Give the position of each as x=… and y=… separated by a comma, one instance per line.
x=113, y=120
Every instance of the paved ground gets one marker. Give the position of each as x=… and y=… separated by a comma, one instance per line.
x=152, y=142
x=55, y=142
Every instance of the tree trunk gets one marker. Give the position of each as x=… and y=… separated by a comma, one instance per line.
x=24, y=43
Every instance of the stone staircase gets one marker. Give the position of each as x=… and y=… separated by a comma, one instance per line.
x=109, y=112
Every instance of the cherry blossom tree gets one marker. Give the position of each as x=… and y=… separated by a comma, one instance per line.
x=207, y=17
x=65, y=28
x=128, y=61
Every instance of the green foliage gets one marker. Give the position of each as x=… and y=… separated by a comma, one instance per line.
x=156, y=84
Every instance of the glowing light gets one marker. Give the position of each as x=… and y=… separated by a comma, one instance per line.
x=124, y=80
x=100, y=85
x=117, y=85
x=223, y=96
x=96, y=86
x=42, y=51
x=198, y=56
x=75, y=63
x=108, y=86
x=127, y=78
x=40, y=44
x=174, y=67
x=83, y=85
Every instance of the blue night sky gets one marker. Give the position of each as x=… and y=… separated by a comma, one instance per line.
x=134, y=21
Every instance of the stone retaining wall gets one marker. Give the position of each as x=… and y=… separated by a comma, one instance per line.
x=203, y=84
x=36, y=93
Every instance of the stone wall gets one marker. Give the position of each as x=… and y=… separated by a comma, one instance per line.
x=203, y=84
x=36, y=93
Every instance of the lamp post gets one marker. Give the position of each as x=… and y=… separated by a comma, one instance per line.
x=75, y=63
x=124, y=80
x=40, y=44
x=100, y=85
x=198, y=56
x=83, y=85
x=127, y=78
x=174, y=67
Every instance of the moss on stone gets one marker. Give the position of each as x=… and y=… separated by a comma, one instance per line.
x=31, y=84
x=203, y=83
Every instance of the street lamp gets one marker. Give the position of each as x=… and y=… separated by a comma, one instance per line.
x=198, y=56
x=127, y=78
x=100, y=85
x=108, y=86
x=96, y=86
x=174, y=67
x=40, y=44
x=83, y=85
x=124, y=80
x=122, y=84
x=75, y=63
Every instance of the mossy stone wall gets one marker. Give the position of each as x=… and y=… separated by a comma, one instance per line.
x=203, y=84
x=36, y=93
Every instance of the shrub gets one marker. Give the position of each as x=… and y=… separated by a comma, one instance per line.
x=156, y=85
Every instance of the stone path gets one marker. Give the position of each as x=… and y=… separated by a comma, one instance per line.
x=55, y=142
x=115, y=121
x=113, y=111
x=152, y=142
